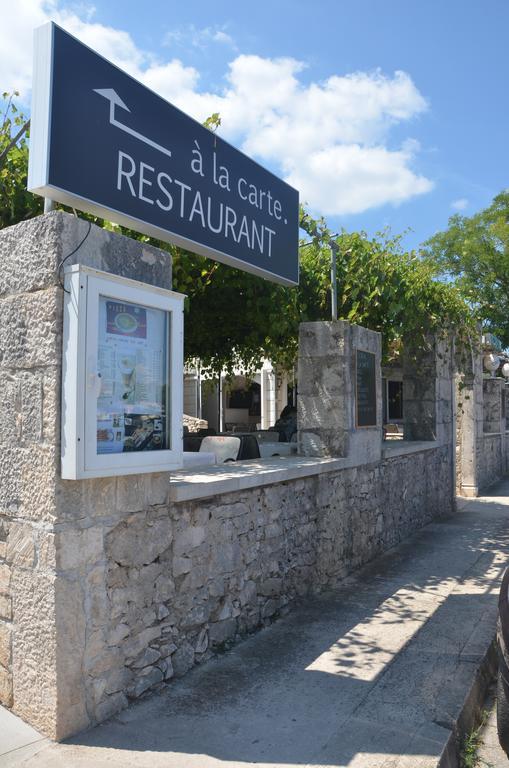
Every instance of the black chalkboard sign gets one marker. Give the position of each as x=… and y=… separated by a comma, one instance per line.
x=365, y=389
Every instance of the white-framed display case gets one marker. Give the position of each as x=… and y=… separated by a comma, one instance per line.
x=122, y=376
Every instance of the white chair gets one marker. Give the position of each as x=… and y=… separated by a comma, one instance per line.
x=224, y=448
x=196, y=459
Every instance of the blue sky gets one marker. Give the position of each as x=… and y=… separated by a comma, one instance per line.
x=381, y=112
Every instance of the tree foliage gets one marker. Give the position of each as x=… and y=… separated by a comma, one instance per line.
x=16, y=204
x=474, y=253
x=234, y=319
x=237, y=318
x=382, y=287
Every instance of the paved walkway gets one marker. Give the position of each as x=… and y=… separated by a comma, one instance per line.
x=372, y=675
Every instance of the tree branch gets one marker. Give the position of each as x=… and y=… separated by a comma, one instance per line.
x=13, y=142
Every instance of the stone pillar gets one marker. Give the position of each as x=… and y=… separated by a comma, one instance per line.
x=469, y=421
x=428, y=390
x=327, y=390
x=52, y=531
x=493, y=417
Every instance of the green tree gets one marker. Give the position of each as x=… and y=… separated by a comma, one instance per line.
x=16, y=204
x=234, y=319
x=474, y=253
x=381, y=287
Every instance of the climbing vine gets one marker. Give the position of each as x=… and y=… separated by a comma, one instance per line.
x=234, y=319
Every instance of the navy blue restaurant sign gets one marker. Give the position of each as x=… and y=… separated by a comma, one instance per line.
x=104, y=143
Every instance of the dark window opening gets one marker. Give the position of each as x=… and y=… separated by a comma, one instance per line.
x=394, y=400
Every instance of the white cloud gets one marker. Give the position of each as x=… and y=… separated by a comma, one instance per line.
x=172, y=80
x=330, y=139
x=16, y=43
x=460, y=205
x=16, y=33
x=199, y=38
x=220, y=36
x=351, y=178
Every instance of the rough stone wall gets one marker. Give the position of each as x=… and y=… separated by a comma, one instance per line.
x=491, y=448
x=491, y=459
x=481, y=440
x=90, y=667
x=469, y=422
x=428, y=390
x=43, y=603
x=459, y=448
x=105, y=588
x=169, y=584
x=419, y=392
x=493, y=392
x=323, y=388
x=481, y=417
x=327, y=391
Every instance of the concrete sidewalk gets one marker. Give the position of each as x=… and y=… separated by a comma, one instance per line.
x=384, y=671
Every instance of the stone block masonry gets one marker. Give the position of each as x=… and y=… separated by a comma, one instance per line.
x=481, y=422
x=163, y=585
x=327, y=391
x=469, y=421
x=491, y=445
x=110, y=587
x=491, y=458
x=43, y=603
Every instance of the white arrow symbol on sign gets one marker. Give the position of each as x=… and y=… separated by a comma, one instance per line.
x=115, y=101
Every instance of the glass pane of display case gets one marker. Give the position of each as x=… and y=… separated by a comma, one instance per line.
x=133, y=373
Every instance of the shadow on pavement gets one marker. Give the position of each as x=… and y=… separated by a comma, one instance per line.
x=378, y=667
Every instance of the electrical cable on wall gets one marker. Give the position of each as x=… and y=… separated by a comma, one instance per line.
x=69, y=256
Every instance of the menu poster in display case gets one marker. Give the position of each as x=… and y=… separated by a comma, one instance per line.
x=365, y=389
x=132, y=353
x=122, y=376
